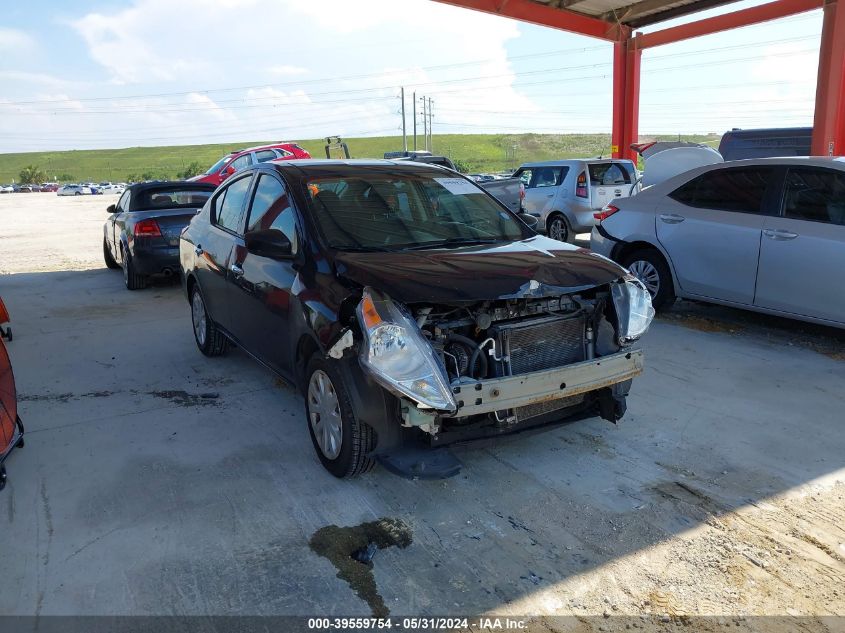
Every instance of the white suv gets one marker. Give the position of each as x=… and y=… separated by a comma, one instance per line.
x=564, y=194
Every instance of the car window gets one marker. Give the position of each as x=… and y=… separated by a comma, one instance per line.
x=270, y=209
x=229, y=204
x=283, y=153
x=172, y=198
x=546, y=177
x=817, y=195
x=739, y=189
x=264, y=155
x=241, y=162
x=393, y=211
x=123, y=203
x=525, y=176
x=609, y=174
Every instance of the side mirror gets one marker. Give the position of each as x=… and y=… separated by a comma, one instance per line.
x=270, y=243
x=530, y=220
x=227, y=171
x=110, y=209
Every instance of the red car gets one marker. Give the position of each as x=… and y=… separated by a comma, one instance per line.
x=236, y=161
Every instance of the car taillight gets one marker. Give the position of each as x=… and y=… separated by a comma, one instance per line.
x=522, y=191
x=147, y=228
x=605, y=213
x=581, y=186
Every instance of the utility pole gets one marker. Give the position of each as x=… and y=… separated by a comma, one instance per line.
x=404, y=133
x=414, y=109
x=430, y=126
x=425, y=122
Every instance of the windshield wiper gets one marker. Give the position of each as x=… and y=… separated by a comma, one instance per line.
x=454, y=241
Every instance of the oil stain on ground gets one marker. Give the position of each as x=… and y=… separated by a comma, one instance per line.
x=341, y=545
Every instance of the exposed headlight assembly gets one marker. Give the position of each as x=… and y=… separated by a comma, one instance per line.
x=633, y=308
x=398, y=356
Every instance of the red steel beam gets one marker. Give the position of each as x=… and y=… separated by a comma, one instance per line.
x=627, y=58
x=744, y=17
x=829, y=119
x=536, y=13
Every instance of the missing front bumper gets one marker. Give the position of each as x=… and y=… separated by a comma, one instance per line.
x=511, y=392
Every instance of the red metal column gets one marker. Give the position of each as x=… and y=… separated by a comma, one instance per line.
x=829, y=119
x=627, y=58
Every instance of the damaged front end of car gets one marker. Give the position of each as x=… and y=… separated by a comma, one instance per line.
x=472, y=370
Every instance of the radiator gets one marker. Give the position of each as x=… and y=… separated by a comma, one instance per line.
x=537, y=344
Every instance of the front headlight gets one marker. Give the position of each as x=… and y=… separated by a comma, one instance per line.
x=398, y=356
x=633, y=308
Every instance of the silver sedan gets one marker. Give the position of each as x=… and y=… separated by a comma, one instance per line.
x=764, y=234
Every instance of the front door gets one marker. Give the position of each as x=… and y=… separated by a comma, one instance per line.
x=263, y=287
x=802, y=254
x=711, y=229
x=215, y=253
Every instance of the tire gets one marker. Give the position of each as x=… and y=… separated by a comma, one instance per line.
x=210, y=340
x=649, y=267
x=133, y=280
x=350, y=459
x=558, y=228
x=107, y=256
x=77, y=193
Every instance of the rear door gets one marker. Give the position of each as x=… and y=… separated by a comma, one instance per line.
x=711, y=229
x=261, y=300
x=802, y=253
x=217, y=247
x=541, y=186
x=609, y=180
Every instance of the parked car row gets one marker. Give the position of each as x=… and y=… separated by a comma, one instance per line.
x=29, y=188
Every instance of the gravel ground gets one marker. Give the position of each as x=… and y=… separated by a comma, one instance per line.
x=722, y=493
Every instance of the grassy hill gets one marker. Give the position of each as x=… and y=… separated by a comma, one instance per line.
x=474, y=152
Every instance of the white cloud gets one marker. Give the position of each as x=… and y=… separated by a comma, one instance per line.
x=286, y=69
x=15, y=41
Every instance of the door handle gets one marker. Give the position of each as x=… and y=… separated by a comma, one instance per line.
x=672, y=218
x=198, y=250
x=779, y=234
x=237, y=271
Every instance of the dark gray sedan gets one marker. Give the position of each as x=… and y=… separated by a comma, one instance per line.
x=142, y=232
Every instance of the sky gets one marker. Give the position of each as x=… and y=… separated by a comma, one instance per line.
x=79, y=74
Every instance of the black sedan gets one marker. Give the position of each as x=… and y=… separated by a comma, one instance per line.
x=142, y=232
x=410, y=307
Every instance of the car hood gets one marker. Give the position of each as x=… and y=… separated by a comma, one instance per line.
x=536, y=267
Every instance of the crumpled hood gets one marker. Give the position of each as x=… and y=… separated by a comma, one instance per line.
x=536, y=267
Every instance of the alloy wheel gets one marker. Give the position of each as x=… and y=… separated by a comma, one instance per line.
x=198, y=317
x=558, y=230
x=648, y=274
x=324, y=414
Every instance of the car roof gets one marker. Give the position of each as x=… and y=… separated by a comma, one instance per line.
x=327, y=164
x=572, y=161
x=268, y=146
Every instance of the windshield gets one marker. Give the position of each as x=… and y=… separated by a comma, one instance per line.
x=395, y=211
x=219, y=164
x=182, y=197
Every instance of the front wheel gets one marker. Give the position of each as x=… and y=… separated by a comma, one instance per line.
x=651, y=269
x=341, y=442
x=210, y=340
x=558, y=228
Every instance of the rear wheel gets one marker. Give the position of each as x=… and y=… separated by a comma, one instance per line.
x=133, y=280
x=110, y=261
x=651, y=269
x=558, y=228
x=341, y=442
x=210, y=340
